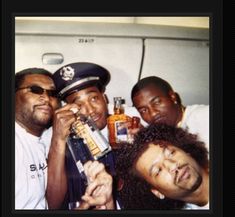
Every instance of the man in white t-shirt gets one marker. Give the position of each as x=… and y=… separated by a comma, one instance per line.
x=40, y=177
x=35, y=103
x=157, y=102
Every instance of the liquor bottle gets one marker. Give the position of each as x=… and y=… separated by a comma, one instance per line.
x=85, y=128
x=85, y=143
x=117, y=124
x=80, y=154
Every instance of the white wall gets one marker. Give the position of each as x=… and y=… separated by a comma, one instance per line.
x=129, y=51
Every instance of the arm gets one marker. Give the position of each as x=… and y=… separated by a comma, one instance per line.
x=57, y=179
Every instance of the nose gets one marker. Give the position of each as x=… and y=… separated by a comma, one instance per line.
x=170, y=165
x=89, y=109
x=153, y=112
x=45, y=96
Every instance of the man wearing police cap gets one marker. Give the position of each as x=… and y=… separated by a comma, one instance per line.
x=83, y=84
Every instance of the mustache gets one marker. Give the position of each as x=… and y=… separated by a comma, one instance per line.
x=157, y=117
x=43, y=105
x=179, y=173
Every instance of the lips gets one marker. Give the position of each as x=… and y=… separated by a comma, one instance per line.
x=95, y=118
x=44, y=108
x=182, y=174
x=158, y=119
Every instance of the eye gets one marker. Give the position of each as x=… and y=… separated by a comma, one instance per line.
x=157, y=101
x=156, y=171
x=94, y=98
x=142, y=111
x=79, y=105
x=169, y=153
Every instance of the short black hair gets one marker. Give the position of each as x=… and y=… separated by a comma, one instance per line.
x=156, y=81
x=19, y=76
x=127, y=155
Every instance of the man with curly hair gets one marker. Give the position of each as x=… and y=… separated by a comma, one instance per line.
x=164, y=168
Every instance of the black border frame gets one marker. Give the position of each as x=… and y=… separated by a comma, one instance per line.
x=213, y=9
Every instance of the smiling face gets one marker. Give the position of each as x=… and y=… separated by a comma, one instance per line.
x=91, y=103
x=156, y=106
x=169, y=170
x=35, y=110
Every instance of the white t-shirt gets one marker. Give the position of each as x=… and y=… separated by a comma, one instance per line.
x=30, y=170
x=196, y=120
x=194, y=206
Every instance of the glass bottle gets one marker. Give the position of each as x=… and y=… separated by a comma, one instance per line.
x=85, y=143
x=117, y=124
x=80, y=155
x=85, y=128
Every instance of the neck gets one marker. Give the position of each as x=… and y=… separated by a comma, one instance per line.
x=32, y=129
x=200, y=197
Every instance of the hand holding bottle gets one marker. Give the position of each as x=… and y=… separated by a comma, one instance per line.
x=99, y=190
x=62, y=121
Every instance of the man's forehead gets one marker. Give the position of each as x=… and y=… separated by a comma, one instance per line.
x=149, y=92
x=88, y=90
x=152, y=88
x=84, y=92
x=159, y=146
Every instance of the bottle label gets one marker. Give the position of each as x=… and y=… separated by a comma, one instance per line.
x=92, y=137
x=80, y=166
x=121, y=131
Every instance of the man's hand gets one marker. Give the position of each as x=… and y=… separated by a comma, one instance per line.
x=99, y=189
x=62, y=121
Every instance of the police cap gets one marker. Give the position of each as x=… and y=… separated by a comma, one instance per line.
x=77, y=76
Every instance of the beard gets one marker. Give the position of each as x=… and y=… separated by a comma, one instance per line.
x=41, y=119
x=35, y=119
x=44, y=122
x=197, y=183
x=193, y=182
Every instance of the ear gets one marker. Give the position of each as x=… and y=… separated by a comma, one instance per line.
x=106, y=98
x=157, y=193
x=173, y=96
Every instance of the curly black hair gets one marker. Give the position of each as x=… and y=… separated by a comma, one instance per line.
x=136, y=193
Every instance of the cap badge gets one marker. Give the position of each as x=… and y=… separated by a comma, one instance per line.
x=67, y=73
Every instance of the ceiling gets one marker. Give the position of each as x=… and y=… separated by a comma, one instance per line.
x=197, y=22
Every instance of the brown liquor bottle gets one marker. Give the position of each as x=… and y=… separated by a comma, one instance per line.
x=117, y=124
